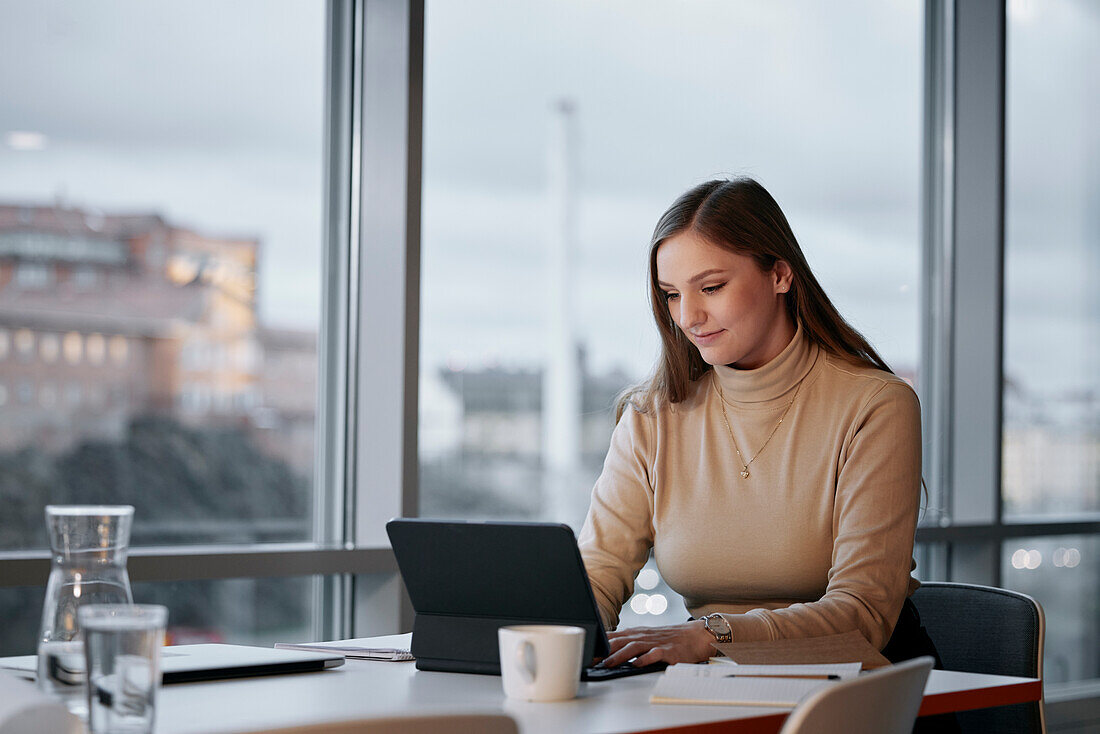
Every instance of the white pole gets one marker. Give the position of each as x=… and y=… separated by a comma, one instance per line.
x=561, y=394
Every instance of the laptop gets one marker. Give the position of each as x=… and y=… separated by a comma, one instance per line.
x=187, y=663
x=468, y=579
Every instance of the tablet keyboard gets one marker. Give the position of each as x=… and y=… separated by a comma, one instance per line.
x=594, y=672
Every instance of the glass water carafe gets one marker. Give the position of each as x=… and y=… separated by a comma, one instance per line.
x=89, y=544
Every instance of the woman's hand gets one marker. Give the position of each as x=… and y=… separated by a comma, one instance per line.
x=689, y=642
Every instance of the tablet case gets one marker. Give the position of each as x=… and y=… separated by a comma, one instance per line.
x=467, y=579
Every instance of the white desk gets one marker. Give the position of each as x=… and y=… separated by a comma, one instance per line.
x=362, y=689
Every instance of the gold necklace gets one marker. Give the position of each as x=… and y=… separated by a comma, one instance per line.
x=726, y=420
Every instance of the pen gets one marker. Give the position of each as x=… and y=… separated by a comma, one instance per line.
x=783, y=675
x=380, y=653
x=362, y=653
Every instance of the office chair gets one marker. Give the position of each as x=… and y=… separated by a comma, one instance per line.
x=420, y=724
x=884, y=701
x=981, y=629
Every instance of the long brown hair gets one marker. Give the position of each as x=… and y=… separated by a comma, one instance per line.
x=741, y=216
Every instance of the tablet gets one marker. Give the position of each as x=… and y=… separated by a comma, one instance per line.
x=468, y=579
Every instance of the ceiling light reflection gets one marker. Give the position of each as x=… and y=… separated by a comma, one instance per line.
x=25, y=140
x=656, y=604
x=1019, y=559
x=1072, y=558
x=1034, y=559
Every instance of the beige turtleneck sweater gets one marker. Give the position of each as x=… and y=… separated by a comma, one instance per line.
x=818, y=540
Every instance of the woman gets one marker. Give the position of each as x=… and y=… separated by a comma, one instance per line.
x=772, y=462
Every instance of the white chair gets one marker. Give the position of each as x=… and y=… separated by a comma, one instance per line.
x=425, y=724
x=26, y=710
x=884, y=701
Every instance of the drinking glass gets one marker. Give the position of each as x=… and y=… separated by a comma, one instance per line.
x=122, y=645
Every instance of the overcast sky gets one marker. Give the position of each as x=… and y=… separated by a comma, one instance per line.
x=211, y=114
x=667, y=95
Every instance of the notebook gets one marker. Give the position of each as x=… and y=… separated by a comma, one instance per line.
x=468, y=579
x=774, y=686
x=186, y=663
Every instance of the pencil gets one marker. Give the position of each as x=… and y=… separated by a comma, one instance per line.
x=783, y=675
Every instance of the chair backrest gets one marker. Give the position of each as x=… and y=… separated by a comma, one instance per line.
x=422, y=724
x=982, y=629
x=884, y=701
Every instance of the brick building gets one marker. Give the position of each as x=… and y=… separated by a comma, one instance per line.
x=103, y=317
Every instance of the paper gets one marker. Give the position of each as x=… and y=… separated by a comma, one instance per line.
x=848, y=647
x=350, y=651
x=26, y=710
x=716, y=685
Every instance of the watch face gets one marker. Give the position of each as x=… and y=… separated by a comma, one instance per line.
x=718, y=627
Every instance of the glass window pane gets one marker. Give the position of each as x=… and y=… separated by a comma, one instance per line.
x=555, y=134
x=932, y=561
x=239, y=611
x=653, y=603
x=1063, y=574
x=1051, y=433
x=160, y=251
x=377, y=601
x=21, y=610
x=636, y=103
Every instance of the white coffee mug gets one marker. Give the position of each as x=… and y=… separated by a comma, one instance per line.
x=541, y=662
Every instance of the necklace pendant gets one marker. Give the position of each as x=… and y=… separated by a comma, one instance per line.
x=745, y=472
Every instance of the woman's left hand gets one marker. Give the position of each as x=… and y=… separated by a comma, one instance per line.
x=689, y=642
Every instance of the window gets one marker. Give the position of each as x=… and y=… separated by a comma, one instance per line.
x=96, y=347
x=73, y=347
x=47, y=395
x=206, y=148
x=242, y=611
x=609, y=115
x=85, y=277
x=1051, y=403
x=49, y=348
x=119, y=349
x=1052, y=261
x=24, y=343
x=73, y=394
x=33, y=275
x=24, y=390
x=1062, y=573
x=192, y=155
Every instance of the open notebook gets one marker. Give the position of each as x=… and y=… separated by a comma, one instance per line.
x=777, y=686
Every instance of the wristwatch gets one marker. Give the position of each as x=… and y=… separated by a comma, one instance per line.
x=717, y=625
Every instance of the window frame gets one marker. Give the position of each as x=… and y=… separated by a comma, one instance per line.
x=963, y=329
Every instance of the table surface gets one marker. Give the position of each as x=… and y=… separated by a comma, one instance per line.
x=364, y=689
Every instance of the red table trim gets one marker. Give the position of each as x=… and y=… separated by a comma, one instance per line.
x=942, y=703
x=936, y=703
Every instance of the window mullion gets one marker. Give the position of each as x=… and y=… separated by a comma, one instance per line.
x=977, y=293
